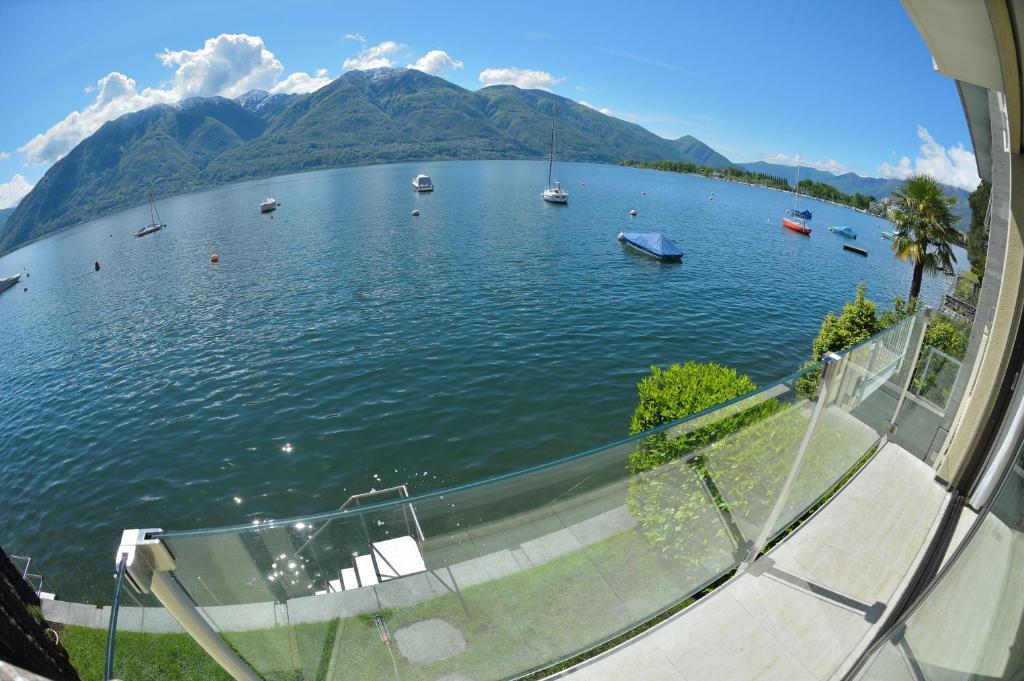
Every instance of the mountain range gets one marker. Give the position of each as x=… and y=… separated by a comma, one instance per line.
x=373, y=116
x=851, y=183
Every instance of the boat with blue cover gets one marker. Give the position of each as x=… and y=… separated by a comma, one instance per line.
x=889, y=235
x=844, y=231
x=654, y=244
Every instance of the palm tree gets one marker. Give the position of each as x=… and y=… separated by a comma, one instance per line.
x=923, y=216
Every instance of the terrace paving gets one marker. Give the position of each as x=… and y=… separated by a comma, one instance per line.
x=807, y=608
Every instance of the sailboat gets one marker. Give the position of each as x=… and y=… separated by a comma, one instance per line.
x=154, y=219
x=797, y=224
x=554, y=192
x=270, y=203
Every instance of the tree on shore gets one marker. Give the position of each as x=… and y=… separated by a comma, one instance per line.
x=925, y=232
x=977, y=235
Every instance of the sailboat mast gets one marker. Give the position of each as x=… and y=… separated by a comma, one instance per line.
x=551, y=156
x=796, y=187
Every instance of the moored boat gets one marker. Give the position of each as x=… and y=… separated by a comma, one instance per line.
x=155, y=223
x=855, y=249
x=803, y=214
x=268, y=204
x=423, y=183
x=653, y=244
x=554, y=192
x=844, y=231
x=797, y=225
x=7, y=282
x=889, y=235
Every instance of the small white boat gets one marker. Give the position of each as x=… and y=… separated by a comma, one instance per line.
x=422, y=183
x=7, y=282
x=155, y=224
x=268, y=204
x=554, y=192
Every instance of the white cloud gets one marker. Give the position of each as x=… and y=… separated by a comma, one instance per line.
x=358, y=37
x=606, y=112
x=436, y=62
x=12, y=192
x=375, y=57
x=301, y=83
x=954, y=166
x=4, y=154
x=116, y=95
x=527, y=79
x=830, y=166
x=578, y=88
x=228, y=65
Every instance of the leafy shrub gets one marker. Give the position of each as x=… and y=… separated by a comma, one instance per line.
x=948, y=335
x=676, y=500
x=858, y=322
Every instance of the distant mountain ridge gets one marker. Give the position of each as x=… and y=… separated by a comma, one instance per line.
x=375, y=116
x=698, y=152
x=851, y=183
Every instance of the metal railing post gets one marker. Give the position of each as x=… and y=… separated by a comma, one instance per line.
x=149, y=563
x=831, y=362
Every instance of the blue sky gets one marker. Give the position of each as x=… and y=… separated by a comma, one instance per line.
x=844, y=85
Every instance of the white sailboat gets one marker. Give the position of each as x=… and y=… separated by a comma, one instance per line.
x=270, y=203
x=554, y=192
x=155, y=223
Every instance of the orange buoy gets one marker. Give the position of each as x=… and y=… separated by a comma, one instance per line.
x=214, y=258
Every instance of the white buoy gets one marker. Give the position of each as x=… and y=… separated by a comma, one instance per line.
x=632, y=211
x=415, y=211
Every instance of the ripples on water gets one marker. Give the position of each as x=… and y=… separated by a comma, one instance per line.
x=345, y=344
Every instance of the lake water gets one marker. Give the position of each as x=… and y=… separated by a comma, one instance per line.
x=344, y=344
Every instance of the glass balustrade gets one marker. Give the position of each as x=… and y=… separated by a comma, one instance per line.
x=969, y=625
x=515, y=573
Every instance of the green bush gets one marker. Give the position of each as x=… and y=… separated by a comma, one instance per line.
x=948, y=335
x=676, y=501
x=858, y=322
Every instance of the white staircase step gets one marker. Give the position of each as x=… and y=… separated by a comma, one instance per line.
x=367, y=573
x=334, y=584
x=398, y=557
x=348, y=579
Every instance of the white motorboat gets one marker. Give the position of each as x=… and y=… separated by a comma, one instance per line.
x=554, y=192
x=268, y=204
x=422, y=183
x=7, y=282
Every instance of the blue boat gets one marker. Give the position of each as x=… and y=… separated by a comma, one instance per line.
x=654, y=244
x=844, y=231
x=805, y=214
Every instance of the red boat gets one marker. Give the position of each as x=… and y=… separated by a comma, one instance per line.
x=796, y=226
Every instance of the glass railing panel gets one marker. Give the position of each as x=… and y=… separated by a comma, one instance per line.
x=746, y=466
x=969, y=626
x=493, y=580
x=934, y=376
x=863, y=391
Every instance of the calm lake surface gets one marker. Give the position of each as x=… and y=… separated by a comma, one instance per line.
x=344, y=344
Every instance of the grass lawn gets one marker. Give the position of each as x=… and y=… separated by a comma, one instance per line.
x=139, y=656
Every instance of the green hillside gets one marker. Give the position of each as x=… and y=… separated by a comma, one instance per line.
x=383, y=115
